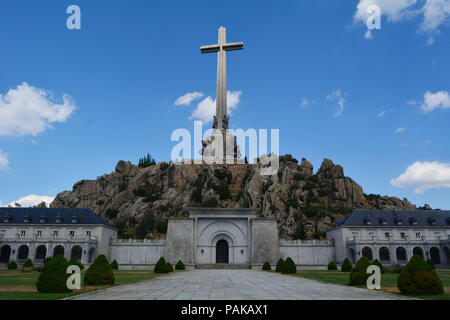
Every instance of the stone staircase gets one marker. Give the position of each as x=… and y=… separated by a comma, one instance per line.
x=222, y=266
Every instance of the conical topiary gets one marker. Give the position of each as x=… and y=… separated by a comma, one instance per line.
x=279, y=266
x=266, y=266
x=332, y=266
x=53, y=277
x=169, y=267
x=114, y=265
x=100, y=272
x=346, y=265
x=378, y=263
x=418, y=278
x=180, y=265
x=28, y=264
x=74, y=261
x=289, y=266
x=359, y=274
x=161, y=266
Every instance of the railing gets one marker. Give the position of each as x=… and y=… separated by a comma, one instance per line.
x=139, y=241
x=391, y=240
x=49, y=239
x=284, y=242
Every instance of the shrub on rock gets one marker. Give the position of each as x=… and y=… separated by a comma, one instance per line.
x=53, y=277
x=346, y=265
x=169, y=267
x=332, y=266
x=99, y=273
x=180, y=265
x=74, y=261
x=12, y=265
x=279, y=266
x=431, y=264
x=161, y=266
x=378, y=263
x=114, y=265
x=289, y=266
x=418, y=278
x=266, y=266
x=359, y=274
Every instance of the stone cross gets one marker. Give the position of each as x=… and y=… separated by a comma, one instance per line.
x=221, y=117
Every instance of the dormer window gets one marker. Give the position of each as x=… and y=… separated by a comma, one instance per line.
x=59, y=219
x=382, y=221
x=75, y=219
x=398, y=221
x=27, y=219
x=432, y=221
x=43, y=219
x=367, y=221
x=413, y=221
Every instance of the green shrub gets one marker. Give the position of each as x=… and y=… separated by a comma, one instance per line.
x=47, y=260
x=114, y=265
x=359, y=274
x=346, y=265
x=266, y=266
x=396, y=269
x=74, y=261
x=332, y=266
x=99, y=273
x=431, y=264
x=378, y=263
x=12, y=265
x=419, y=278
x=53, y=277
x=28, y=264
x=39, y=269
x=289, y=266
x=169, y=267
x=161, y=266
x=279, y=266
x=180, y=265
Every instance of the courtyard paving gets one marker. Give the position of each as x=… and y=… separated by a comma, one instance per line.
x=233, y=285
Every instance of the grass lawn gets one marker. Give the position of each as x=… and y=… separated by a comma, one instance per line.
x=16, y=285
x=388, y=281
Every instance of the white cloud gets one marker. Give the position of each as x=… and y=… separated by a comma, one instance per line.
x=423, y=176
x=336, y=95
x=27, y=110
x=394, y=10
x=381, y=114
x=435, y=13
x=4, y=162
x=32, y=200
x=206, y=109
x=188, y=98
x=304, y=102
x=432, y=101
x=399, y=130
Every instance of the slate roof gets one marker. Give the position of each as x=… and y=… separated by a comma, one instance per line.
x=395, y=218
x=51, y=215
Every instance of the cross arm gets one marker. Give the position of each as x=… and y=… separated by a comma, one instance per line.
x=210, y=48
x=233, y=46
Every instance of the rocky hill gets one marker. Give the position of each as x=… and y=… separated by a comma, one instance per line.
x=139, y=200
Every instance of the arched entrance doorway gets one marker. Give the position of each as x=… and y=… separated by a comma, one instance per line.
x=434, y=255
x=41, y=253
x=76, y=253
x=367, y=253
x=91, y=255
x=418, y=251
x=222, y=251
x=384, y=254
x=5, y=253
x=401, y=255
x=59, y=250
x=23, y=253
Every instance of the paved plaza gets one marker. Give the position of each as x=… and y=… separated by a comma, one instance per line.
x=232, y=285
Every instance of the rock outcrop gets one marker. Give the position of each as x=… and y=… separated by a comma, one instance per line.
x=141, y=199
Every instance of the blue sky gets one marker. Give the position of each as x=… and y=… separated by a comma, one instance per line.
x=376, y=103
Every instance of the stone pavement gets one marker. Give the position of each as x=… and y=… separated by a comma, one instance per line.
x=233, y=285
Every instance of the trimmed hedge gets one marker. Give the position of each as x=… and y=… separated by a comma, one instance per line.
x=114, y=265
x=332, y=266
x=346, y=265
x=279, y=266
x=180, y=265
x=378, y=263
x=289, y=266
x=53, y=277
x=12, y=265
x=419, y=278
x=169, y=267
x=100, y=272
x=47, y=260
x=161, y=266
x=266, y=266
x=359, y=274
x=74, y=261
x=28, y=264
x=431, y=264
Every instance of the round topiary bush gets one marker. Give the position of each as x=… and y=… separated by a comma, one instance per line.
x=346, y=265
x=169, y=267
x=289, y=266
x=180, y=265
x=418, y=278
x=12, y=265
x=161, y=266
x=53, y=277
x=279, y=266
x=332, y=266
x=359, y=274
x=99, y=273
x=378, y=263
x=266, y=266
x=28, y=264
x=114, y=265
x=74, y=261
x=431, y=264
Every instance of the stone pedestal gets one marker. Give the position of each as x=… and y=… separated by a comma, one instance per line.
x=180, y=241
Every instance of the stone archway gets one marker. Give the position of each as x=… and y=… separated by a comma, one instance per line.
x=418, y=252
x=435, y=255
x=41, y=253
x=76, y=253
x=401, y=255
x=384, y=254
x=5, y=253
x=367, y=253
x=59, y=250
x=22, y=253
x=222, y=251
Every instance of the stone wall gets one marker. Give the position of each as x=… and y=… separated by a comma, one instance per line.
x=180, y=241
x=264, y=241
x=137, y=254
x=307, y=253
